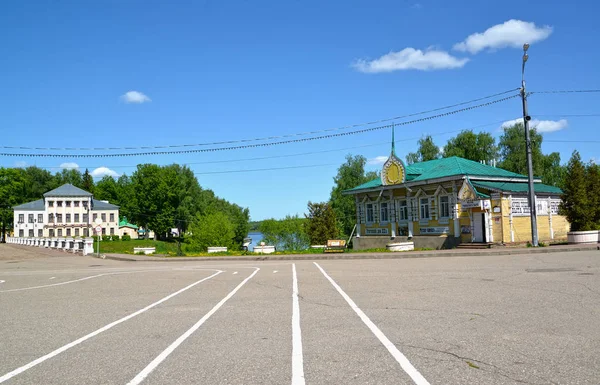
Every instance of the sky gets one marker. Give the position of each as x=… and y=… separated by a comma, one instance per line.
x=128, y=73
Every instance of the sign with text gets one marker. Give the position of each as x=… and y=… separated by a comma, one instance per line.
x=470, y=203
x=435, y=230
x=381, y=231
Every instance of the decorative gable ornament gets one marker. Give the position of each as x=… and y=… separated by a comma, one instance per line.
x=393, y=171
x=467, y=191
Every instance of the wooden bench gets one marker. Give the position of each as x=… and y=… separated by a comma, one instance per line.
x=335, y=246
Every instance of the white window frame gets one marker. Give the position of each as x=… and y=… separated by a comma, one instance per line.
x=441, y=207
x=554, y=206
x=520, y=207
x=422, y=206
x=370, y=206
x=403, y=216
x=383, y=211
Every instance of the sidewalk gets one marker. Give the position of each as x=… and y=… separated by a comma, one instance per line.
x=389, y=255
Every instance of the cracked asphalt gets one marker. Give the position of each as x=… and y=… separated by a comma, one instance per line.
x=519, y=319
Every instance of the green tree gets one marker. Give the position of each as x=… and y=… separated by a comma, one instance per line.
x=71, y=176
x=468, y=145
x=13, y=184
x=320, y=224
x=285, y=234
x=593, y=191
x=513, y=152
x=38, y=182
x=350, y=174
x=214, y=229
x=576, y=198
x=87, y=182
x=427, y=151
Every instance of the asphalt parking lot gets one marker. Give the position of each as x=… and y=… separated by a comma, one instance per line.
x=519, y=319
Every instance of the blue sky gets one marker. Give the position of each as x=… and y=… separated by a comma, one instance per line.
x=152, y=73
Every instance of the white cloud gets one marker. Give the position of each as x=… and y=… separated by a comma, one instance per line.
x=21, y=164
x=103, y=171
x=513, y=33
x=135, y=97
x=377, y=160
x=70, y=166
x=541, y=125
x=410, y=59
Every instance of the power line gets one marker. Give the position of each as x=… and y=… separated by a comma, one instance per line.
x=564, y=92
x=149, y=153
x=259, y=139
x=265, y=169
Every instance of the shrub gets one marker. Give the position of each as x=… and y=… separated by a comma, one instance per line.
x=95, y=238
x=106, y=237
x=115, y=237
x=126, y=237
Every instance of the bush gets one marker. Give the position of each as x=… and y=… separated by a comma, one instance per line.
x=95, y=238
x=126, y=237
x=106, y=237
x=115, y=237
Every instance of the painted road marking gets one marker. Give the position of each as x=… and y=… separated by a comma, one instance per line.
x=274, y=271
x=61, y=283
x=66, y=347
x=400, y=358
x=165, y=353
x=51, y=278
x=235, y=272
x=297, y=359
x=2, y=281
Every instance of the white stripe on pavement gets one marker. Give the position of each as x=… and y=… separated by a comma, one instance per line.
x=67, y=282
x=165, y=353
x=297, y=358
x=66, y=347
x=400, y=358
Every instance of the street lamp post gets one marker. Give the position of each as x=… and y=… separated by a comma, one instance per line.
x=526, y=119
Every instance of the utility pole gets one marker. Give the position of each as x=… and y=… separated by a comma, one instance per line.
x=526, y=119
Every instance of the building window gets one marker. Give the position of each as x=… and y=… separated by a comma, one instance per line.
x=86, y=232
x=40, y=218
x=51, y=232
x=85, y=218
x=104, y=231
x=40, y=233
x=76, y=203
x=424, y=208
x=68, y=218
x=383, y=212
x=76, y=232
x=370, y=213
x=30, y=218
x=94, y=217
x=68, y=232
x=59, y=203
x=60, y=232
x=21, y=233
x=403, y=211
x=50, y=203
x=59, y=218
x=445, y=207
x=112, y=217
x=103, y=216
x=21, y=218
x=76, y=220
x=112, y=231
x=68, y=203
x=554, y=205
x=520, y=207
x=51, y=218
x=31, y=233
x=85, y=204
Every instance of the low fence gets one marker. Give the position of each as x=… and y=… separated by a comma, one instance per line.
x=84, y=246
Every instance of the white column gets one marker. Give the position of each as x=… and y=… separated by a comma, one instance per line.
x=358, y=209
x=410, y=214
x=510, y=219
x=550, y=218
x=455, y=212
x=392, y=208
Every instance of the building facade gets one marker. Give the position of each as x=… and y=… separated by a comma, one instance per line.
x=67, y=211
x=444, y=202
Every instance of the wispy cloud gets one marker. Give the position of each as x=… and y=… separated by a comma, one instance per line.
x=21, y=164
x=513, y=33
x=377, y=160
x=70, y=166
x=540, y=125
x=135, y=97
x=104, y=171
x=410, y=59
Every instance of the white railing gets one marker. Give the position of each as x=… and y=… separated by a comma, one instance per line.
x=84, y=246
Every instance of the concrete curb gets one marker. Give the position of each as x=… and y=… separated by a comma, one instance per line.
x=347, y=256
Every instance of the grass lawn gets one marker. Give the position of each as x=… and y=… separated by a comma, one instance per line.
x=126, y=247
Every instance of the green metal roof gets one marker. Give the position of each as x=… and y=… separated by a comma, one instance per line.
x=67, y=190
x=445, y=167
x=517, y=187
x=124, y=222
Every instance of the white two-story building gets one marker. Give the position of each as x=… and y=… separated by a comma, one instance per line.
x=67, y=211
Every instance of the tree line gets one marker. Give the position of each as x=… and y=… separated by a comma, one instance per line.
x=158, y=198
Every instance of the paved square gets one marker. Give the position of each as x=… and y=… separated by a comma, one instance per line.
x=531, y=319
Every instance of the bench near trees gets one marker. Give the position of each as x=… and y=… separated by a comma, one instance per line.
x=335, y=246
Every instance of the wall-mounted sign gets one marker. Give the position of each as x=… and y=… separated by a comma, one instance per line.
x=465, y=229
x=497, y=220
x=435, y=230
x=470, y=203
x=495, y=196
x=497, y=209
x=379, y=231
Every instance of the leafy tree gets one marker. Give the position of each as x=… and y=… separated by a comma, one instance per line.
x=593, y=191
x=513, y=152
x=72, y=176
x=350, y=174
x=320, y=224
x=285, y=234
x=87, y=182
x=38, y=182
x=427, y=151
x=576, y=198
x=472, y=146
x=12, y=192
x=214, y=229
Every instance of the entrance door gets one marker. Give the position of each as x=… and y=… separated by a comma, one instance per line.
x=478, y=227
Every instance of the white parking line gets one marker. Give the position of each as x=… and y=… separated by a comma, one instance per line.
x=400, y=358
x=51, y=278
x=165, y=353
x=274, y=271
x=235, y=272
x=297, y=358
x=60, y=283
x=68, y=346
x=2, y=281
